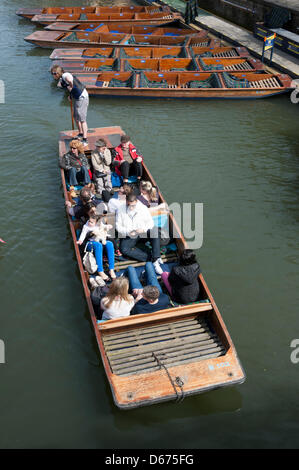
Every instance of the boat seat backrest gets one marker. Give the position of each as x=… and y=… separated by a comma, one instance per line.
x=231, y=81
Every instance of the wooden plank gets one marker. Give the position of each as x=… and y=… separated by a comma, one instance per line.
x=186, y=321
x=148, y=333
x=170, y=351
x=174, y=364
x=167, y=358
x=154, y=338
x=160, y=345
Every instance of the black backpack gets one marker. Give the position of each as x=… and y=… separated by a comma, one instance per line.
x=96, y=296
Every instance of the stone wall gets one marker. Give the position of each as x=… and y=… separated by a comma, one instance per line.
x=245, y=13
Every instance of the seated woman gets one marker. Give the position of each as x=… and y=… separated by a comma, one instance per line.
x=148, y=194
x=127, y=160
x=149, y=197
x=75, y=163
x=118, y=302
x=182, y=282
x=96, y=243
x=150, y=298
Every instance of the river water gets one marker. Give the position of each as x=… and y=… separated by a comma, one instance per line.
x=240, y=159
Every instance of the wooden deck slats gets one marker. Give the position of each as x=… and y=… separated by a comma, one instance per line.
x=242, y=66
x=173, y=343
x=162, y=346
x=266, y=83
x=231, y=53
x=171, y=350
x=128, y=333
x=163, y=331
x=166, y=358
x=199, y=356
x=152, y=338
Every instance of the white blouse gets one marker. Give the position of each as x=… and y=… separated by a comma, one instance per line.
x=119, y=308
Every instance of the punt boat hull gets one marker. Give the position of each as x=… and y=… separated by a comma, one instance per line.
x=159, y=65
x=212, y=48
x=178, y=84
x=30, y=12
x=138, y=18
x=56, y=39
x=181, y=351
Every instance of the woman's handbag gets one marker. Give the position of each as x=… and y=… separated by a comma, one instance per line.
x=89, y=261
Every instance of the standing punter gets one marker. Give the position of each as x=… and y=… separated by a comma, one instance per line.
x=79, y=93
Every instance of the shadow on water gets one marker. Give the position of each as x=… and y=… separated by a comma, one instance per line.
x=38, y=52
x=225, y=400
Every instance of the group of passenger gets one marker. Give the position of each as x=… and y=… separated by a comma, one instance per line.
x=131, y=216
x=131, y=224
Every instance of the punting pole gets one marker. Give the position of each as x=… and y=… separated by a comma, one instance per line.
x=72, y=114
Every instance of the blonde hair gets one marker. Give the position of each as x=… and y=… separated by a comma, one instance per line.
x=78, y=145
x=119, y=287
x=149, y=189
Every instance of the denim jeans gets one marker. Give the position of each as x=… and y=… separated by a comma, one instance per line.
x=98, y=253
x=150, y=276
x=81, y=175
x=128, y=248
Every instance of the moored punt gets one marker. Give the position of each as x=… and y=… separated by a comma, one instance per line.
x=53, y=39
x=172, y=29
x=169, y=354
x=212, y=50
x=159, y=64
x=142, y=18
x=188, y=85
x=30, y=12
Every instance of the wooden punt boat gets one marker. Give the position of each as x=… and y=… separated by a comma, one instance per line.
x=52, y=39
x=159, y=64
x=30, y=12
x=142, y=18
x=188, y=85
x=172, y=28
x=166, y=355
x=213, y=50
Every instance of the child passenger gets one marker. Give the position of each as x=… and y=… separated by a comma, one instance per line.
x=98, y=232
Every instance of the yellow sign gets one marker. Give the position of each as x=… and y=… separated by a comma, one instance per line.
x=269, y=42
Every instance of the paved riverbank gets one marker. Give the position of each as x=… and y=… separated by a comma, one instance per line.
x=239, y=36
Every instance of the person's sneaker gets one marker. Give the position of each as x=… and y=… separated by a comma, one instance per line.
x=160, y=261
x=85, y=142
x=100, y=281
x=157, y=267
x=93, y=283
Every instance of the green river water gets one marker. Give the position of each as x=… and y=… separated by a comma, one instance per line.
x=238, y=158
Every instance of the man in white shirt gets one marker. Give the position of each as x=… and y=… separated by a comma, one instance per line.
x=134, y=223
